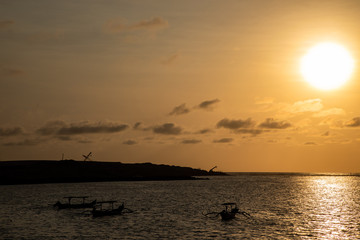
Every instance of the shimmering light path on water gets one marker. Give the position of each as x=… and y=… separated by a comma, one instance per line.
x=281, y=206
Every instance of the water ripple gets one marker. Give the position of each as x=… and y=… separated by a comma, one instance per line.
x=281, y=207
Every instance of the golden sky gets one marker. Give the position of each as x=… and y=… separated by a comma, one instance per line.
x=190, y=83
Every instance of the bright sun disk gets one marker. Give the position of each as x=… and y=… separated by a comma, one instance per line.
x=327, y=66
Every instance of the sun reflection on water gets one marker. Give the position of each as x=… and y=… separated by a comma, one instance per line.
x=330, y=204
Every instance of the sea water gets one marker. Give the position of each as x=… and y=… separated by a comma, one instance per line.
x=282, y=206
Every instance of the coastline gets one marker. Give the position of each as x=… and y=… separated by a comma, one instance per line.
x=71, y=171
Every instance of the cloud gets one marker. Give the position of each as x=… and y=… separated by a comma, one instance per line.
x=249, y=131
x=7, y=132
x=326, y=134
x=51, y=128
x=84, y=141
x=167, y=129
x=240, y=126
x=154, y=24
x=179, y=110
x=235, y=124
x=114, y=26
x=62, y=128
x=204, y=131
x=172, y=58
x=130, y=142
x=271, y=123
x=64, y=138
x=311, y=105
x=310, y=143
x=10, y=72
x=183, y=109
x=85, y=128
x=6, y=23
x=264, y=100
x=223, y=140
x=208, y=104
x=329, y=112
x=191, y=141
x=26, y=142
x=332, y=123
x=141, y=127
x=137, y=125
x=355, y=122
x=58, y=34
x=248, y=126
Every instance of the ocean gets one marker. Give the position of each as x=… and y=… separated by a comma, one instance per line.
x=281, y=206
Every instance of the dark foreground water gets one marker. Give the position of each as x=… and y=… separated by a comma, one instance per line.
x=281, y=206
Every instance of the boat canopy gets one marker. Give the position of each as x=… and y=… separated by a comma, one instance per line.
x=106, y=202
x=227, y=204
x=76, y=197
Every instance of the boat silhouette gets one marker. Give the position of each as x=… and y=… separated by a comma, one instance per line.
x=99, y=211
x=229, y=212
x=69, y=204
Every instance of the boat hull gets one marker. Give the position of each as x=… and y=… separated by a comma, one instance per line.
x=227, y=215
x=101, y=213
x=81, y=205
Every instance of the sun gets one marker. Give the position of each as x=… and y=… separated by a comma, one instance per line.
x=327, y=66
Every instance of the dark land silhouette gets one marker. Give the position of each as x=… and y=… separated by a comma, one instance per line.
x=66, y=171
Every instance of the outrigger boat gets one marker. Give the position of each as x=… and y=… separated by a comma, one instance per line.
x=98, y=210
x=229, y=212
x=60, y=205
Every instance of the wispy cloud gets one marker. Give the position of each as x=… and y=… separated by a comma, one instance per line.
x=47, y=36
x=355, y=122
x=310, y=105
x=332, y=123
x=240, y=126
x=235, y=124
x=137, y=125
x=6, y=23
x=264, y=100
x=183, y=109
x=167, y=129
x=204, y=131
x=153, y=24
x=170, y=59
x=191, y=141
x=64, y=138
x=26, y=142
x=329, y=112
x=248, y=126
x=208, y=105
x=85, y=128
x=51, y=128
x=272, y=124
x=223, y=140
x=12, y=131
x=10, y=72
x=84, y=141
x=62, y=128
x=130, y=142
x=179, y=110
x=326, y=134
x=252, y=131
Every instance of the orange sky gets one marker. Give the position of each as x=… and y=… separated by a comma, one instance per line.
x=190, y=83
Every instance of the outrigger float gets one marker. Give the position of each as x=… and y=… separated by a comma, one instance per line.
x=99, y=211
x=84, y=204
x=229, y=212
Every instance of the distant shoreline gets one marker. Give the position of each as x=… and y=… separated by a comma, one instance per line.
x=333, y=174
x=71, y=171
